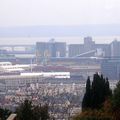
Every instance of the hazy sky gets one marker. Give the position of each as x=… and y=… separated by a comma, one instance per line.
x=58, y=12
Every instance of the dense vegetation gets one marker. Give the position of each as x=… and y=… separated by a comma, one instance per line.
x=28, y=111
x=96, y=92
x=4, y=113
x=99, y=103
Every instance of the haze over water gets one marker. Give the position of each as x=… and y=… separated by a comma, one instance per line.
x=68, y=40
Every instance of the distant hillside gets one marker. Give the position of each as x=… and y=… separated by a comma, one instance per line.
x=60, y=31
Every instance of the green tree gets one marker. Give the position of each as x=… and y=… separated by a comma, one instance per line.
x=86, y=103
x=100, y=91
x=4, y=114
x=24, y=112
x=97, y=104
x=40, y=112
x=28, y=111
x=108, y=91
x=96, y=93
x=116, y=102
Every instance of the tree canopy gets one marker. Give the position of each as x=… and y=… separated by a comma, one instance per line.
x=28, y=111
x=96, y=92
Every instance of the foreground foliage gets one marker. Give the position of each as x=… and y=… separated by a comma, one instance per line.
x=105, y=113
x=28, y=111
x=4, y=113
x=96, y=92
x=97, y=103
x=116, y=102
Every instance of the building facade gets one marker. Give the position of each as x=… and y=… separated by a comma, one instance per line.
x=51, y=49
x=102, y=50
x=111, y=68
x=115, y=48
x=75, y=49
